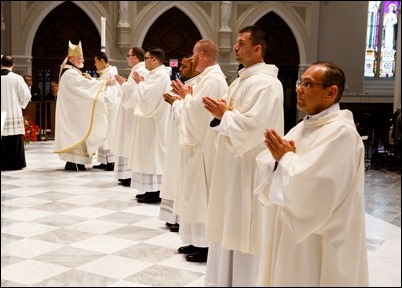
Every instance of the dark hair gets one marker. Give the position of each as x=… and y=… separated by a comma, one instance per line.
x=187, y=55
x=102, y=55
x=157, y=53
x=7, y=61
x=138, y=52
x=333, y=75
x=258, y=37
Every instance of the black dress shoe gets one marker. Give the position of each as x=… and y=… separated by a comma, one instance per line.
x=149, y=199
x=168, y=224
x=190, y=249
x=109, y=166
x=125, y=182
x=143, y=195
x=81, y=167
x=70, y=166
x=174, y=228
x=201, y=256
x=100, y=166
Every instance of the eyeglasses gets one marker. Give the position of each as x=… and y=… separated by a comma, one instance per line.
x=308, y=84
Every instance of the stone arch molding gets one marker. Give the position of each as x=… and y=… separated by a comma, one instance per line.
x=152, y=11
x=294, y=22
x=42, y=8
x=150, y=14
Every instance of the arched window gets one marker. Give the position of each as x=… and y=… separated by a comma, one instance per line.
x=382, y=27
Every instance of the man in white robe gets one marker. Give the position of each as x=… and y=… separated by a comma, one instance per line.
x=111, y=94
x=15, y=96
x=170, y=181
x=120, y=144
x=254, y=101
x=312, y=181
x=81, y=114
x=197, y=149
x=149, y=132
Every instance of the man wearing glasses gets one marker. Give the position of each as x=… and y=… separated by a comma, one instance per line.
x=150, y=126
x=312, y=181
x=120, y=144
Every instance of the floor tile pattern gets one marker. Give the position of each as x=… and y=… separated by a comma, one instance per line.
x=78, y=229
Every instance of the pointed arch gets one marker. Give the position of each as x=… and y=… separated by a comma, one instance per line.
x=152, y=12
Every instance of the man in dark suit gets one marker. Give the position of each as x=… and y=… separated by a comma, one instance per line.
x=35, y=92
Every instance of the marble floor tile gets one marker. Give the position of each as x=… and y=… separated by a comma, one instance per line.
x=82, y=229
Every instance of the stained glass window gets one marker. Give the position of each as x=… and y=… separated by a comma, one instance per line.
x=382, y=27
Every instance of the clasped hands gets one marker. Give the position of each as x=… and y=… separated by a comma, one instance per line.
x=179, y=91
x=277, y=145
x=137, y=77
x=170, y=98
x=217, y=107
x=120, y=79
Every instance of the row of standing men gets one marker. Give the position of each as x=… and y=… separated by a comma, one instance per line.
x=258, y=211
x=273, y=210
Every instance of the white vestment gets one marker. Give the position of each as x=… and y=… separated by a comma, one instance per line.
x=81, y=117
x=111, y=95
x=15, y=96
x=148, y=141
x=234, y=214
x=197, y=155
x=120, y=144
x=315, y=230
x=170, y=180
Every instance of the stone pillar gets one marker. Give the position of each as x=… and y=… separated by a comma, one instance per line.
x=123, y=27
x=225, y=42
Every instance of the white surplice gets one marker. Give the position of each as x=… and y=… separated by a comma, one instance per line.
x=234, y=214
x=15, y=96
x=197, y=155
x=315, y=230
x=170, y=180
x=120, y=143
x=111, y=95
x=149, y=132
x=81, y=116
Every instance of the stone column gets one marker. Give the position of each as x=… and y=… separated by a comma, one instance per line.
x=123, y=27
x=225, y=32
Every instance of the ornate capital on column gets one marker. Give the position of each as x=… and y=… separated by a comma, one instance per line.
x=225, y=42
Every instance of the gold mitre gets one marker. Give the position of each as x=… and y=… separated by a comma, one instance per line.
x=75, y=50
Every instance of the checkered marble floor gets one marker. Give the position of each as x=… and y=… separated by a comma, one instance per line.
x=64, y=228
